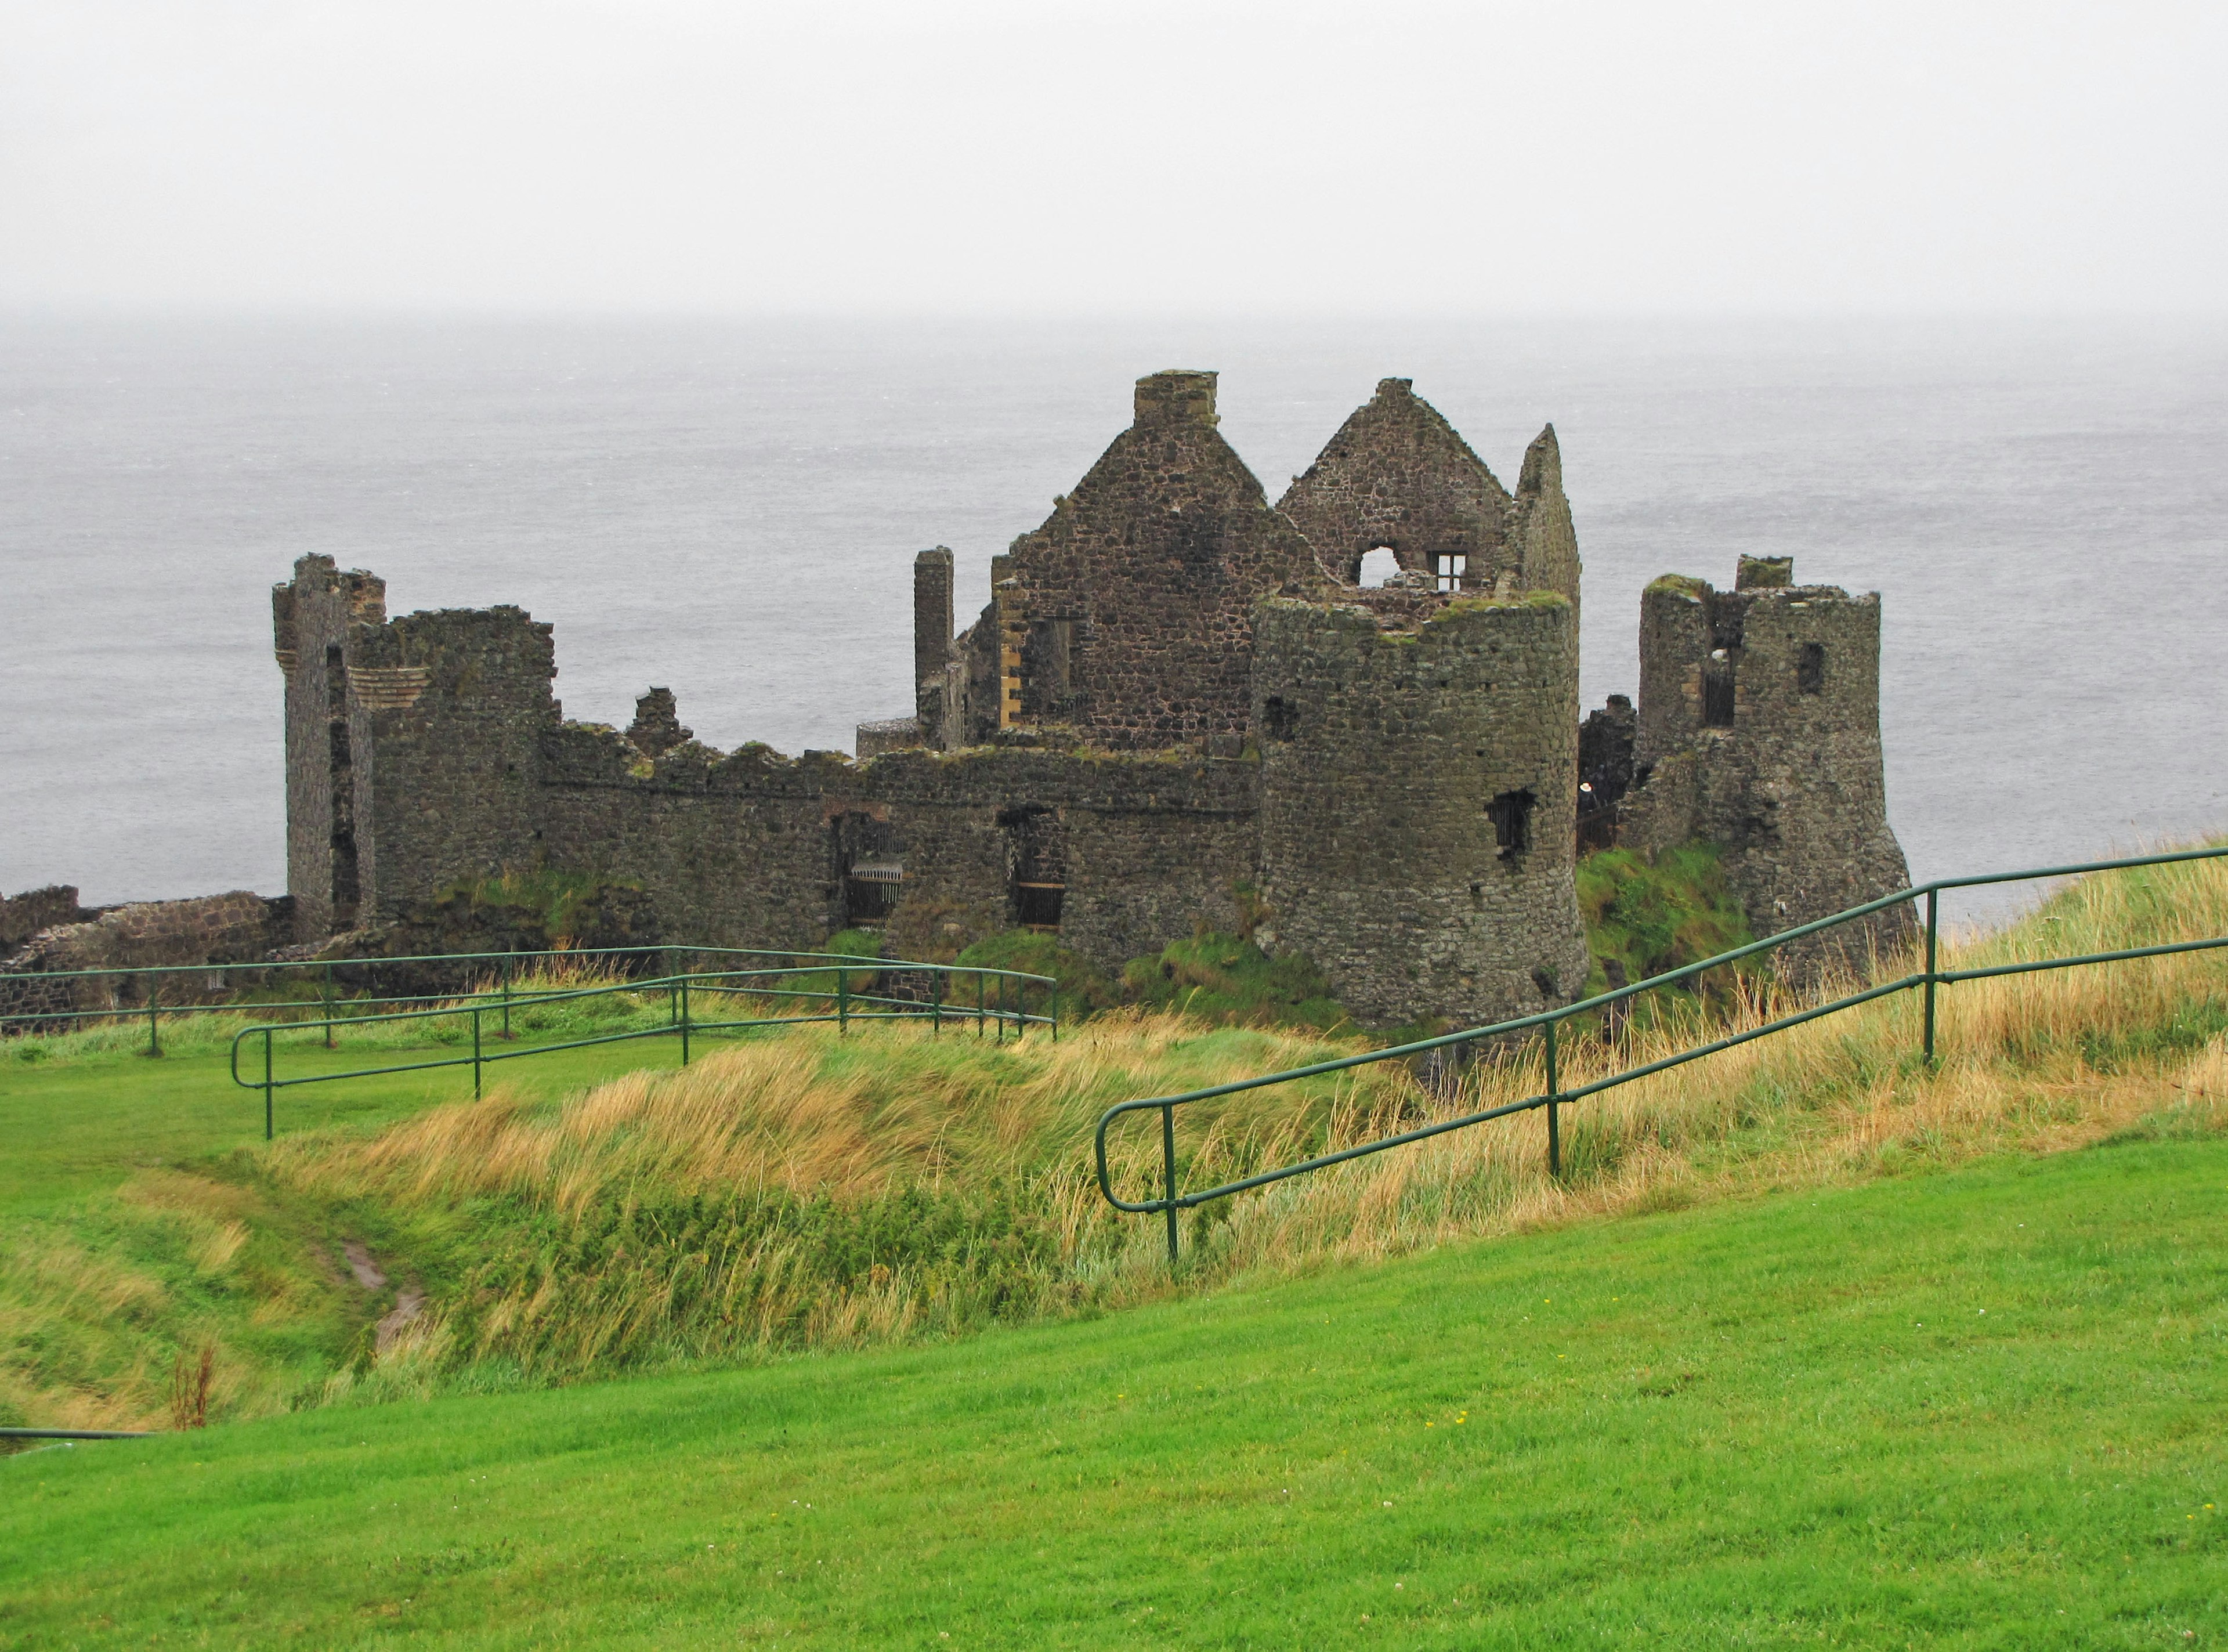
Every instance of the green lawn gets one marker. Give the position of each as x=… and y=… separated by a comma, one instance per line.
x=1977, y=1408
x=76, y=1127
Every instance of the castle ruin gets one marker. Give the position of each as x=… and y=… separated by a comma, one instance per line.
x=1178, y=707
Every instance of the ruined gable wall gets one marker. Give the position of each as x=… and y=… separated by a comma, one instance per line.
x=1132, y=605
x=1398, y=474
x=1386, y=742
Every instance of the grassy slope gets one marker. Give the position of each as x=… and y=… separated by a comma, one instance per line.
x=1775, y=1422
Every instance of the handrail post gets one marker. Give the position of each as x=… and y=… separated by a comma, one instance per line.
x=1169, y=1172
x=684, y=1021
x=476, y=1052
x=266, y=1083
x=1932, y=932
x=936, y=1001
x=328, y=1004
x=1055, y=1012
x=979, y=1003
x=503, y=968
x=1554, y=1128
x=842, y=1001
x=154, y=999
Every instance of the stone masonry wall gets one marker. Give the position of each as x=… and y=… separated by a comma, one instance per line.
x=451, y=707
x=1398, y=475
x=1759, y=732
x=751, y=849
x=1419, y=787
x=1129, y=613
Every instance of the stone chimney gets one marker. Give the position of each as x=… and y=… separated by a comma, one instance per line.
x=1176, y=397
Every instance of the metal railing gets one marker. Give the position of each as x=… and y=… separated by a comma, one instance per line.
x=1000, y=1001
x=327, y=979
x=1555, y=1097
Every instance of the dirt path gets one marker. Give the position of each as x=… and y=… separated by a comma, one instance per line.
x=409, y=1301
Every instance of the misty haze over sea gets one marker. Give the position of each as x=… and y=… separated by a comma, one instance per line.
x=731, y=509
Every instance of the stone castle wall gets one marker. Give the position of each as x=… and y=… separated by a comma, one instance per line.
x=1419, y=771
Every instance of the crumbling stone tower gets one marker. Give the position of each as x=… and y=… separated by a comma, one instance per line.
x=1419, y=778
x=1759, y=732
x=412, y=745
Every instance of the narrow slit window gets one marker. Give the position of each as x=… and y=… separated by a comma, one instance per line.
x=1810, y=668
x=1447, y=568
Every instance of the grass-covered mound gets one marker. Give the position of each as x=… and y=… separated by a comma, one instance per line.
x=1975, y=1409
x=1227, y=978
x=1647, y=914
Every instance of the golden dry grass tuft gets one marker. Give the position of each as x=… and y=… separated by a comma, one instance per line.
x=819, y=1191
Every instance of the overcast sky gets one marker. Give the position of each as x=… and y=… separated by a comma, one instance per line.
x=1057, y=157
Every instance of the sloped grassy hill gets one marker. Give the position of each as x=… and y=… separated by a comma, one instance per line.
x=1971, y=1408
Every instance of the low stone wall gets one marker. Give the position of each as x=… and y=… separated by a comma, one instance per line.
x=237, y=927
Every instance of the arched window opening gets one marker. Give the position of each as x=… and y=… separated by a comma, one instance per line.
x=1810, y=668
x=1380, y=568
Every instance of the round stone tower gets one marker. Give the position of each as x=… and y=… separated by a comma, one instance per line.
x=1418, y=799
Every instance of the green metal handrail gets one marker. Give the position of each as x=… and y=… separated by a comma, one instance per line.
x=1008, y=1008
x=1555, y=1097
x=501, y=965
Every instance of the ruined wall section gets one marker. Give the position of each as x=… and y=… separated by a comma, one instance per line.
x=1418, y=793
x=1129, y=614
x=317, y=619
x=1759, y=732
x=1542, y=545
x=755, y=849
x=450, y=707
x=1398, y=475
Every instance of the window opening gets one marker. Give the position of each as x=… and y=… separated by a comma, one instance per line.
x=873, y=867
x=1447, y=568
x=1039, y=856
x=1280, y=719
x=1810, y=668
x=1718, y=691
x=1511, y=815
x=1378, y=568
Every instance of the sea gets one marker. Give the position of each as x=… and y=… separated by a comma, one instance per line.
x=730, y=507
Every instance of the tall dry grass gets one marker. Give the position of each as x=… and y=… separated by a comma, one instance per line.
x=815, y=1191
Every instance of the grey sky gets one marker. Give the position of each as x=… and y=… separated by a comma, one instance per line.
x=1056, y=156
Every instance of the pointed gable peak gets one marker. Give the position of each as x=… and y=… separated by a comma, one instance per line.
x=1543, y=467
